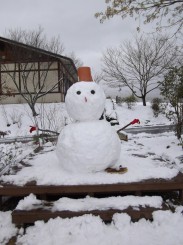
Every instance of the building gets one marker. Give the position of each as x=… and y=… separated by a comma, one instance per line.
x=30, y=71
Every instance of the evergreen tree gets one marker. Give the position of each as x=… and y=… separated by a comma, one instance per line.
x=172, y=90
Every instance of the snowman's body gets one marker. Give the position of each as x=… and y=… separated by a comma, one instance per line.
x=89, y=144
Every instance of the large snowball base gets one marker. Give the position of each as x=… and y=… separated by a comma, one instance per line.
x=88, y=147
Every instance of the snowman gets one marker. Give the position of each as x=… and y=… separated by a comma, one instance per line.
x=88, y=145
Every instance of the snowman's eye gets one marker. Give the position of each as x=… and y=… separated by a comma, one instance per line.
x=78, y=92
x=92, y=91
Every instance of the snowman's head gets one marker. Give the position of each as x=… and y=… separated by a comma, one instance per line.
x=85, y=101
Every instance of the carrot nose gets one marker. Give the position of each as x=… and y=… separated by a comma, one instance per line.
x=85, y=99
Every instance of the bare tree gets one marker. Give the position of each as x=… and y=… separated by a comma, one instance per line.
x=31, y=88
x=165, y=13
x=98, y=77
x=5, y=91
x=77, y=61
x=29, y=69
x=36, y=38
x=139, y=65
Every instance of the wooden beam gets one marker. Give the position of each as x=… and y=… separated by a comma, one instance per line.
x=153, y=185
x=21, y=217
x=0, y=81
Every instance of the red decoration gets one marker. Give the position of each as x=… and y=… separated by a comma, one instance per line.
x=132, y=122
x=135, y=121
x=33, y=128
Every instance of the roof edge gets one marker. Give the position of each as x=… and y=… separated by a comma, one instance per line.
x=10, y=41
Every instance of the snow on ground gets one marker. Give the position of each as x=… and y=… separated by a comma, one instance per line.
x=145, y=156
x=143, y=113
x=16, y=119
x=90, y=203
x=166, y=228
x=7, y=229
x=91, y=230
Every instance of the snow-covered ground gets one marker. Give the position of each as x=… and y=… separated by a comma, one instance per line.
x=145, y=156
x=16, y=119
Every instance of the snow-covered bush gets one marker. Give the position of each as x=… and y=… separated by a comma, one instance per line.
x=129, y=100
x=155, y=105
x=16, y=117
x=52, y=117
x=12, y=154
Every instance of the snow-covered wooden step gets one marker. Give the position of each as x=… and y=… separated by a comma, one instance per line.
x=155, y=185
x=30, y=209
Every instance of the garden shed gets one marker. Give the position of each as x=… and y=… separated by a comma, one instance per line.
x=28, y=70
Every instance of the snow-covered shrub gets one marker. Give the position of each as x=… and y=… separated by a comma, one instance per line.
x=129, y=100
x=5, y=115
x=119, y=100
x=155, y=105
x=11, y=154
x=52, y=118
x=16, y=117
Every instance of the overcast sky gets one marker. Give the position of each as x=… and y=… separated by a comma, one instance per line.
x=73, y=21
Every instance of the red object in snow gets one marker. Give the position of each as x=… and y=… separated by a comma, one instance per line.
x=135, y=121
x=131, y=123
x=33, y=128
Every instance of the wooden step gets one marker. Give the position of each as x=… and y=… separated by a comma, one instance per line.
x=135, y=188
x=22, y=217
x=31, y=209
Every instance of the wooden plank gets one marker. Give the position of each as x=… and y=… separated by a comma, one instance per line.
x=181, y=196
x=20, y=217
x=155, y=185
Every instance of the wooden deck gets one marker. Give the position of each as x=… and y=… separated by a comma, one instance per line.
x=148, y=187
x=137, y=188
